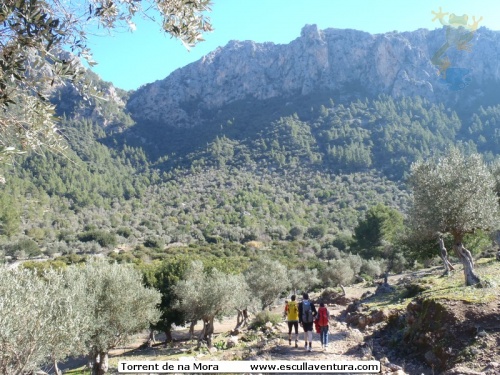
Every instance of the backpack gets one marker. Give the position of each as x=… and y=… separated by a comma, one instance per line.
x=322, y=317
x=293, y=311
x=307, y=315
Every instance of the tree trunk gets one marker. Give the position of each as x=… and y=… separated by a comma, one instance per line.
x=168, y=336
x=466, y=258
x=242, y=319
x=91, y=359
x=343, y=289
x=444, y=256
x=151, y=338
x=191, y=328
x=101, y=365
x=207, y=331
x=239, y=319
x=56, y=368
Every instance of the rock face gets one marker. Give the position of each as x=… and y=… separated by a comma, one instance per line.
x=341, y=62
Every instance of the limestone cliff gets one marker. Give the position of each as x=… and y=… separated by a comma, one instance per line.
x=343, y=62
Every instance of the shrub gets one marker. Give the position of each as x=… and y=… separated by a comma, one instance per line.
x=23, y=248
x=262, y=317
x=296, y=232
x=398, y=263
x=105, y=239
x=154, y=243
x=124, y=232
x=36, y=233
x=316, y=231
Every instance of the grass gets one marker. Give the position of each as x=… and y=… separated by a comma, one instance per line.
x=451, y=288
x=395, y=300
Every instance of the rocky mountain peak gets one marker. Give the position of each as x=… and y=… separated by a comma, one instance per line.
x=340, y=61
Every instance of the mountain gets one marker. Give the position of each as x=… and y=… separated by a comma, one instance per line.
x=255, y=142
x=343, y=64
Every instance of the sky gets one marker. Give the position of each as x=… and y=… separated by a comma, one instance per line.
x=132, y=59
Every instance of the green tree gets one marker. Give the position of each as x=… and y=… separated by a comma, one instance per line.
x=164, y=277
x=455, y=195
x=41, y=319
x=103, y=238
x=119, y=306
x=9, y=214
x=380, y=226
x=33, y=39
x=303, y=280
x=339, y=272
x=210, y=294
x=267, y=279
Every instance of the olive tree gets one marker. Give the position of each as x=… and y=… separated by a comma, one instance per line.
x=119, y=306
x=42, y=44
x=302, y=280
x=42, y=318
x=209, y=295
x=454, y=195
x=267, y=279
x=338, y=273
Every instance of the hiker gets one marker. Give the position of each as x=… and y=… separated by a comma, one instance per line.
x=307, y=312
x=293, y=320
x=323, y=319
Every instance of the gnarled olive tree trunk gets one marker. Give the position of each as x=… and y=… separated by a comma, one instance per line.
x=168, y=337
x=242, y=319
x=100, y=364
x=466, y=258
x=151, y=338
x=57, y=370
x=191, y=328
x=206, y=333
x=444, y=256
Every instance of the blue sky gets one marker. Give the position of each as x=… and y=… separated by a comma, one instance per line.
x=132, y=59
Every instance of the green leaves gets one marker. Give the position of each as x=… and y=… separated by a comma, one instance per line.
x=210, y=294
x=33, y=58
x=453, y=195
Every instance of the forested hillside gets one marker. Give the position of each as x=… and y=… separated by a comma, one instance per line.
x=270, y=171
x=296, y=171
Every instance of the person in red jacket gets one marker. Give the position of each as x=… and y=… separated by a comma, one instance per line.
x=323, y=319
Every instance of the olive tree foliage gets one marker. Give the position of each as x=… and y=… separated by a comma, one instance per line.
x=338, y=273
x=302, y=280
x=267, y=279
x=119, y=306
x=210, y=294
x=42, y=44
x=42, y=318
x=454, y=195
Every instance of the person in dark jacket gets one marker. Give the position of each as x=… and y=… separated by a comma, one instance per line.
x=307, y=313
